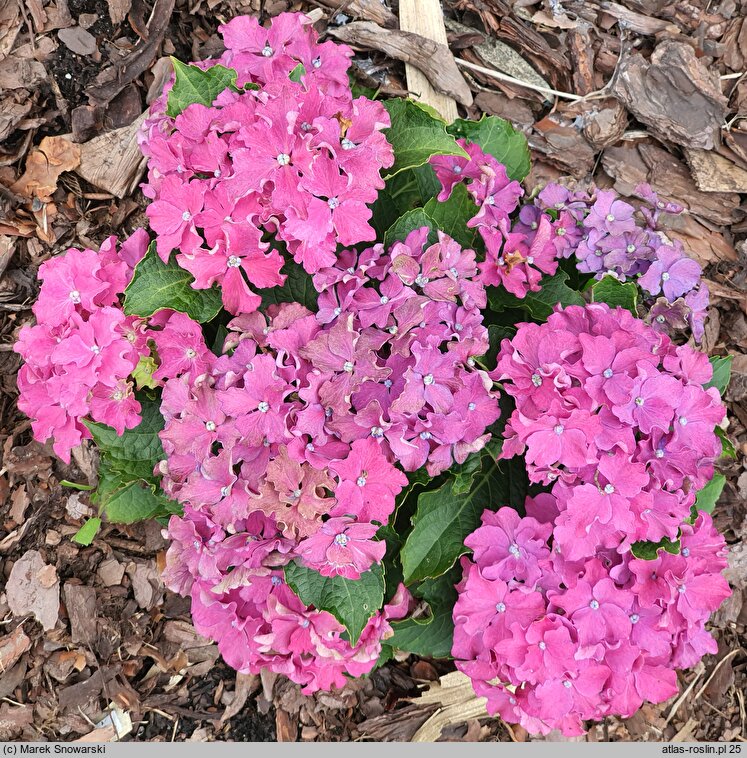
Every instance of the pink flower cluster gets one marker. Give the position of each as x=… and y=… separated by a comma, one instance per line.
x=411, y=378
x=263, y=482
x=557, y=620
x=294, y=431
x=516, y=255
x=239, y=598
x=79, y=355
x=607, y=236
x=296, y=160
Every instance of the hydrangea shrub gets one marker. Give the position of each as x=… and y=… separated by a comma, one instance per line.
x=383, y=400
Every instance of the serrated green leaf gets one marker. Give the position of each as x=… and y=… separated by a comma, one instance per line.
x=195, y=85
x=554, y=291
x=86, y=534
x=298, y=288
x=707, y=498
x=156, y=285
x=134, y=502
x=351, y=601
x=499, y=138
x=443, y=518
x=135, y=452
x=721, y=372
x=414, y=219
x=614, y=292
x=433, y=634
x=416, y=136
x=296, y=74
x=452, y=216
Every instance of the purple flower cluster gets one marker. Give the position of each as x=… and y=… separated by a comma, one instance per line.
x=79, y=355
x=608, y=237
x=557, y=620
x=516, y=256
x=296, y=159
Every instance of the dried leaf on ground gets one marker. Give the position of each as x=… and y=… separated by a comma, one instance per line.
x=111, y=572
x=34, y=588
x=20, y=73
x=10, y=25
x=146, y=584
x=246, y=685
x=434, y=60
x=118, y=10
x=675, y=94
x=112, y=161
x=604, y=123
x=44, y=166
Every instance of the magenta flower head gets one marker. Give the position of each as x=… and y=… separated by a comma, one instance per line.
x=298, y=159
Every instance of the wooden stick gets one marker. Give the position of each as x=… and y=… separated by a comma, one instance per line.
x=426, y=18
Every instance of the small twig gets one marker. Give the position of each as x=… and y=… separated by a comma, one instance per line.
x=724, y=77
x=529, y=85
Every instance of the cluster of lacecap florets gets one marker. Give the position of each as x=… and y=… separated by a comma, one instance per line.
x=298, y=160
x=557, y=619
x=293, y=433
x=79, y=355
x=607, y=236
x=610, y=236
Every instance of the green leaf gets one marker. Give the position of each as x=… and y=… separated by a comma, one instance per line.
x=296, y=74
x=416, y=135
x=721, y=372
x=499, y=138
x=430, y=636
x=614, y=292
x=452, y=216
x=351, y=601
x=195, y=85
x=137, y=451
x=414, y=219
x=707, y=498
x=539, y=304
x=134, y=502
x=157, y=285
x=86, y=534
x=444, y=518
x=648, y=551
x=298, y=288
x=727, y=446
